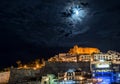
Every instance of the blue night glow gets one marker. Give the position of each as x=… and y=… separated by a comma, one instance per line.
x=107, y=77
x=106, y=80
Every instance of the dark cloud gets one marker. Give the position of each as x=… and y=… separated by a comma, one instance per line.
x=40, y=20
x=39, y=23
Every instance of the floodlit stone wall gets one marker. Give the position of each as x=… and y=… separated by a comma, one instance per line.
x=4, y=77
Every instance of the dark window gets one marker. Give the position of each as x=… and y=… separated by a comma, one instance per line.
x=45, y=82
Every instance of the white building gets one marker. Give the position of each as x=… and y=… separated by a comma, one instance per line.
x=67, y=57
x=85, y=57
x=105, y=56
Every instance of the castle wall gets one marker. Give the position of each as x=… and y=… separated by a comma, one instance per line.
x=4, y=77
x=21, y=75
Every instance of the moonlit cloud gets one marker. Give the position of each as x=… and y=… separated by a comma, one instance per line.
x=78, y=14
x=75, y=13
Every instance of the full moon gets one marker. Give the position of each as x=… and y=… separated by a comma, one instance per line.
x=78, y=13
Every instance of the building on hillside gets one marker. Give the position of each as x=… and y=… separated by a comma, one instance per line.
x=105, y=56
x=82, y=51
x=72, y=76
x=105, y=64
x=77, y=54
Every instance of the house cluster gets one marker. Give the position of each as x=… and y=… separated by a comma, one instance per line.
x=77, y=54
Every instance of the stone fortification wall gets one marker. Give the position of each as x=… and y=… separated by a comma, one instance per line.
x=4, y=77
x=55, y=67
x=20, y=76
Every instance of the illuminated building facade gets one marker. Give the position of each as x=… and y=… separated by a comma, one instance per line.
x=77, y=54
x=90, y=60
x=102, y=68
x=85, y=58
x=105, y=64
x=71, y=76
x=100, y=63
x=106, y=56
x=83, y=51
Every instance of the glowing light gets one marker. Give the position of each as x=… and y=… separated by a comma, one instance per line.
x=34, y=65
x=102, y=65
x=118, y=75
x=37, y=66
x=25, y=66
x=47, y=79
x=81, y=78
x=104, y=80
x=78, y=13
x=65, y=78
x=99, y=79
x=101, y=60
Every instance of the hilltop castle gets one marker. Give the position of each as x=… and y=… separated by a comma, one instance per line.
x=87, y=59
x=77, y=54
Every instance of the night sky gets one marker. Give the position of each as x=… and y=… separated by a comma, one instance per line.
x=31, y=29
